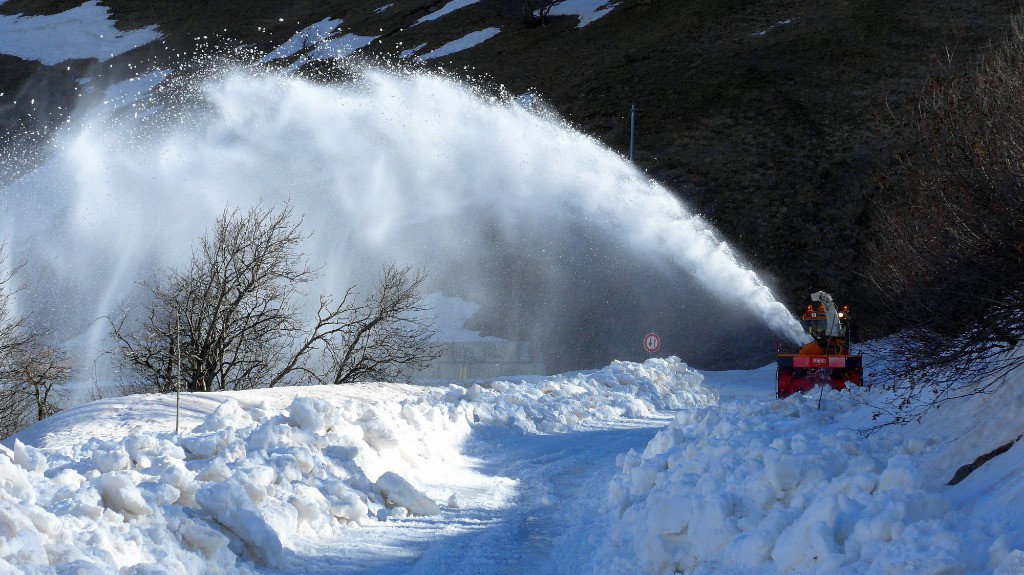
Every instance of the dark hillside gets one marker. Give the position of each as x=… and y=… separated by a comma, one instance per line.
x=758, y=114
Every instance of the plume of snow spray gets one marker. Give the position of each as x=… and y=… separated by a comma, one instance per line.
x=412, y=168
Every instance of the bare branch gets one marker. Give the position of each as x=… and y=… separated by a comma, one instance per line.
x=947, y=261
x=234, y=314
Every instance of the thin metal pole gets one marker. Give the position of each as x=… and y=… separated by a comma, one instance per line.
x=632, y=129
x=177, y=394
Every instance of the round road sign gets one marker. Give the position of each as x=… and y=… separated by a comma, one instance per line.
x=652, y=342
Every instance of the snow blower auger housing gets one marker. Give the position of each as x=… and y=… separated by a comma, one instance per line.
x=826, y=360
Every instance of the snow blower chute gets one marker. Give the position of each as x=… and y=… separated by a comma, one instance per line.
x=827, y=359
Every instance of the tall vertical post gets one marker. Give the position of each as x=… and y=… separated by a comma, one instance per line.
x=632, y=129
x=177, y=393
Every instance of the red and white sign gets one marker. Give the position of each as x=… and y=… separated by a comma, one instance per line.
x=819, y=361
x=652, y=342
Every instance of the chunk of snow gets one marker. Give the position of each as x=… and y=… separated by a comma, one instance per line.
x=29, y=457
x=119, y=492
x=400, y=493
x=228, y=415
x=313, y=414
x=259, y=528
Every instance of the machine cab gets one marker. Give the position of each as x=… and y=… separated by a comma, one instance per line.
x=815, y=321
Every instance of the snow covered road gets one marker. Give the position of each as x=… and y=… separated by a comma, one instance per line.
x=553, y=524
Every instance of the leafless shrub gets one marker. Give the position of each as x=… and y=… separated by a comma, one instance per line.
x=233, y=318
x=30, y=370
x=948, y=255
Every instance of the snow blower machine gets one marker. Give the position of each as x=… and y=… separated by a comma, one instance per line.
x=826, y=360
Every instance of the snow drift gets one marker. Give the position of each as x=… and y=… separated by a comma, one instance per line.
x=766, y=487
x=268, y=467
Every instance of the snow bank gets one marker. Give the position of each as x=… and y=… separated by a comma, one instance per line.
x=566, y=402
x=781, y=486
x=251, y=480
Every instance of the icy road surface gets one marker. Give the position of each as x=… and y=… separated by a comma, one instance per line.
x=552, y=524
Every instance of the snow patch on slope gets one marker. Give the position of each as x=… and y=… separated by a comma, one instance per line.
x=132, y=90
x=341, y=47
x=450, y=317
x=305, y=38
x=85, y=31
x=588, y=11
x=446, y=9
x=464, y=43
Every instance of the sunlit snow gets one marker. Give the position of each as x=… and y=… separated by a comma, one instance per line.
x=540, y=475
x=262, y=476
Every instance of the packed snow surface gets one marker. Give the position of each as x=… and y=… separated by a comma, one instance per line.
x=271, y=471
x=85, y=31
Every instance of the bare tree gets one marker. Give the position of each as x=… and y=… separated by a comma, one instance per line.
x=234, y=316
x=30, y=370
x=231, y=315
x=948, y=255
